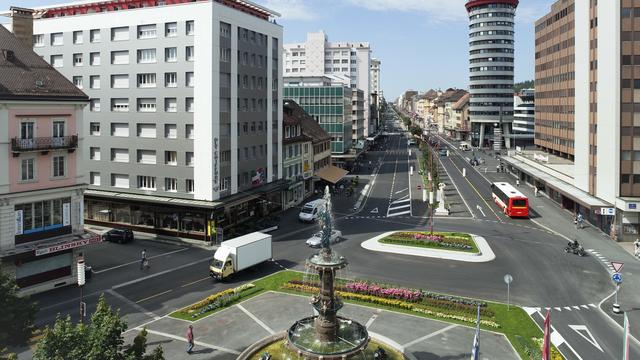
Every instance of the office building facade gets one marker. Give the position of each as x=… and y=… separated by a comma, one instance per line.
x=185, y=118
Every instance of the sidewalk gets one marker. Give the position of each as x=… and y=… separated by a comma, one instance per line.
x=97, y=229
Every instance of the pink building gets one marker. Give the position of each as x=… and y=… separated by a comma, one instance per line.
x=41, y=184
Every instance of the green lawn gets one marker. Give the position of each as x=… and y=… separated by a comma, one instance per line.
x=515, y=323
x=464, y=238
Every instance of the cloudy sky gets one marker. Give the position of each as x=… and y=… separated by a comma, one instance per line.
x=422, y=43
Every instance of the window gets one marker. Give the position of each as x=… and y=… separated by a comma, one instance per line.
x=189, y=79
x=120, y=181
x=95, y=105
x=58, y=166
x=189, y=107
x=190, y=27
x=189, y=53
x=225, y=54
x=170, y=104
x=147, y=31
x=170, y=131
x=120, y=81
x=94, y=128
x=147, y=80
x=171, y=158
x=171, y=54
x=120, y=33
x=225, y=29
x=56, y=39
x=120, y=155
x=120, y=105
x=170, y=29
x=120, y=57
x=94, y=153
x=94, y=58
x=94, y=178
x=188, y=158
x=188, y=130
x=38, y=40
x=170, y=184
x=188, y=185
x=26, y=130
x=94, y=82
x=120, y=129
x=146, y=182
x=77, y=81
x=147, y=157
x=77, y=37
x=147, y=104
x=225, y=80
x=56, y=61
x=58, y=129
x=146, y=130
x=146, y=56
x=94, y=36
x=170, y=79
x=27, y=167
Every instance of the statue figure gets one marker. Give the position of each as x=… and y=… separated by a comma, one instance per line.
x=326, y=221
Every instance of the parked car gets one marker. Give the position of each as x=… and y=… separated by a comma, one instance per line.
x=311, y=210
x=118, y=235
x=315, y=240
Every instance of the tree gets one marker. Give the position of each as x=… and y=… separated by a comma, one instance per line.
x=416, y=130
x=101, y=339
x=18, y=313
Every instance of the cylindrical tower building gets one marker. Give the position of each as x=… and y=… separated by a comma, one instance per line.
x=491, y=49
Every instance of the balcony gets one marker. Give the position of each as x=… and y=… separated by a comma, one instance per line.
x=44, y=144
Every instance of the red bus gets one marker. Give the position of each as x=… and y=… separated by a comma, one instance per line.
x=510, y=200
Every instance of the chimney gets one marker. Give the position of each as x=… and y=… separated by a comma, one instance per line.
x=22, y=24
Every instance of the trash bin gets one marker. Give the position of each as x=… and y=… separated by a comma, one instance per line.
x=87, y=272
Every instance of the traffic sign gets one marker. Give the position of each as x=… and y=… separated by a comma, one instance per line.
x=508, y=279
x=617, y=278
x=617, y=266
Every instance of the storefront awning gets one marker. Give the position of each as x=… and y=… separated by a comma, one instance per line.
x=152, y=199
x=241, y=200
x=332, y=174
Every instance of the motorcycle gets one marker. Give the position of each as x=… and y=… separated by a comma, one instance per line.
x=576, y=250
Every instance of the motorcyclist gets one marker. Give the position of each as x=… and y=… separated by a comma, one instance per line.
x=573, y=245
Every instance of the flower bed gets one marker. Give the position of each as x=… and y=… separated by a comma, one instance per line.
x=216, y=301
x=450, y=241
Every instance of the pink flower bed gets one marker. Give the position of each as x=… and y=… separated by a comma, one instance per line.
x=427, y=237
x=393, y=293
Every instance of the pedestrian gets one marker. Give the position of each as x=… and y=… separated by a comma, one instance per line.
x=579, y=220
x=636, y=245
x=143, y=258
x=497, y=168
x=190, y=339
x=517, y=182
x=535, y=191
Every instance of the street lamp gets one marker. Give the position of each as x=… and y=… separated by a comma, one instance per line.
x=81, y=282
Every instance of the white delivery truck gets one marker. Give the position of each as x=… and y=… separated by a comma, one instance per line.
x=240, y=253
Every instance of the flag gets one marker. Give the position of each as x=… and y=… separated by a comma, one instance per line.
x=475, y=352
x=546, y=343
x=627, y=334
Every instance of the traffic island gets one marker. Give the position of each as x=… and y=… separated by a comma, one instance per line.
x=440, y=245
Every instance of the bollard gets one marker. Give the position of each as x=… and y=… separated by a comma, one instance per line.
x=464, y=172
x=616, y=309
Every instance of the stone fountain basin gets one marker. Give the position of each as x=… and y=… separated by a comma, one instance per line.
x=352, y=338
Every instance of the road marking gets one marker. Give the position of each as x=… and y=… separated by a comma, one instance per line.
x=400, y=201
x=154, y=296
x=435, y=333
x=397, y=207
x=398, y=214
x=398, y=192
x=199, y=343
x=133, y=304
x=480, y=209
x=556, y=338
x=138, y=261
x=371, y=320
x=208, y=258
x=374, y=211
x=195, y=282
x=258, y=321
x=586, y=334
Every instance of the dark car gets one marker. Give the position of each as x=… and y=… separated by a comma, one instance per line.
x=118, y=235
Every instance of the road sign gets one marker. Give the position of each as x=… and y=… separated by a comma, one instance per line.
x=617, y=266
x=607, y=211
x=508, y=279
x=617, y=278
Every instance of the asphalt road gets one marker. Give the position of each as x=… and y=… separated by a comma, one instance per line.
x=544, y=276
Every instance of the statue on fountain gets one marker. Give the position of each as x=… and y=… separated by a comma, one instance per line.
x=326, y=223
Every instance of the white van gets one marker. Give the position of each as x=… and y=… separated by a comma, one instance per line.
x=464, y=146
x=311, y=210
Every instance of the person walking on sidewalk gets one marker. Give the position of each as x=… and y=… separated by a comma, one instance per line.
x=143, y=259
x=579, y=221
x=636, y=250
x=190, y=339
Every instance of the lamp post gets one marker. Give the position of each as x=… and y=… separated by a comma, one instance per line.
x=81, y=281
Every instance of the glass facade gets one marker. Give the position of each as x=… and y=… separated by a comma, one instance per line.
x=331, y=107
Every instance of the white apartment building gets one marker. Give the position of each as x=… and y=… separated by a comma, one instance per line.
x=184, y=124
x=375, y=77
x=318, y=57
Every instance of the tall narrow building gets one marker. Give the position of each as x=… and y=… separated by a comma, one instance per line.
x=491, y=49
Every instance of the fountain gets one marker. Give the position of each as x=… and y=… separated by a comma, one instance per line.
x=327, y=335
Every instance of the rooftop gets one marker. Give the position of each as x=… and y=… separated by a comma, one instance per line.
x=309, y=125
x=24, y=75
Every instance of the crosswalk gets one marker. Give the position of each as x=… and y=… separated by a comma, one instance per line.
x=399, y=207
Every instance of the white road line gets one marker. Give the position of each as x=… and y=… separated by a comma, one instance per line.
x=371, y=320
x=138, y=261
x=398, y=192
x=199, y=343
x=435, y=333
x=133, y=304
x=255, y=318
x=398, y=207
x=400, y=201
x=456, y=186
x=208, y=258
x=398, y=214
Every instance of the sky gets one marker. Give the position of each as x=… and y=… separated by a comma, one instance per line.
x=422, y=44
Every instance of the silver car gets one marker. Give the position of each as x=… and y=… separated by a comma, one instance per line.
x=315, y=240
